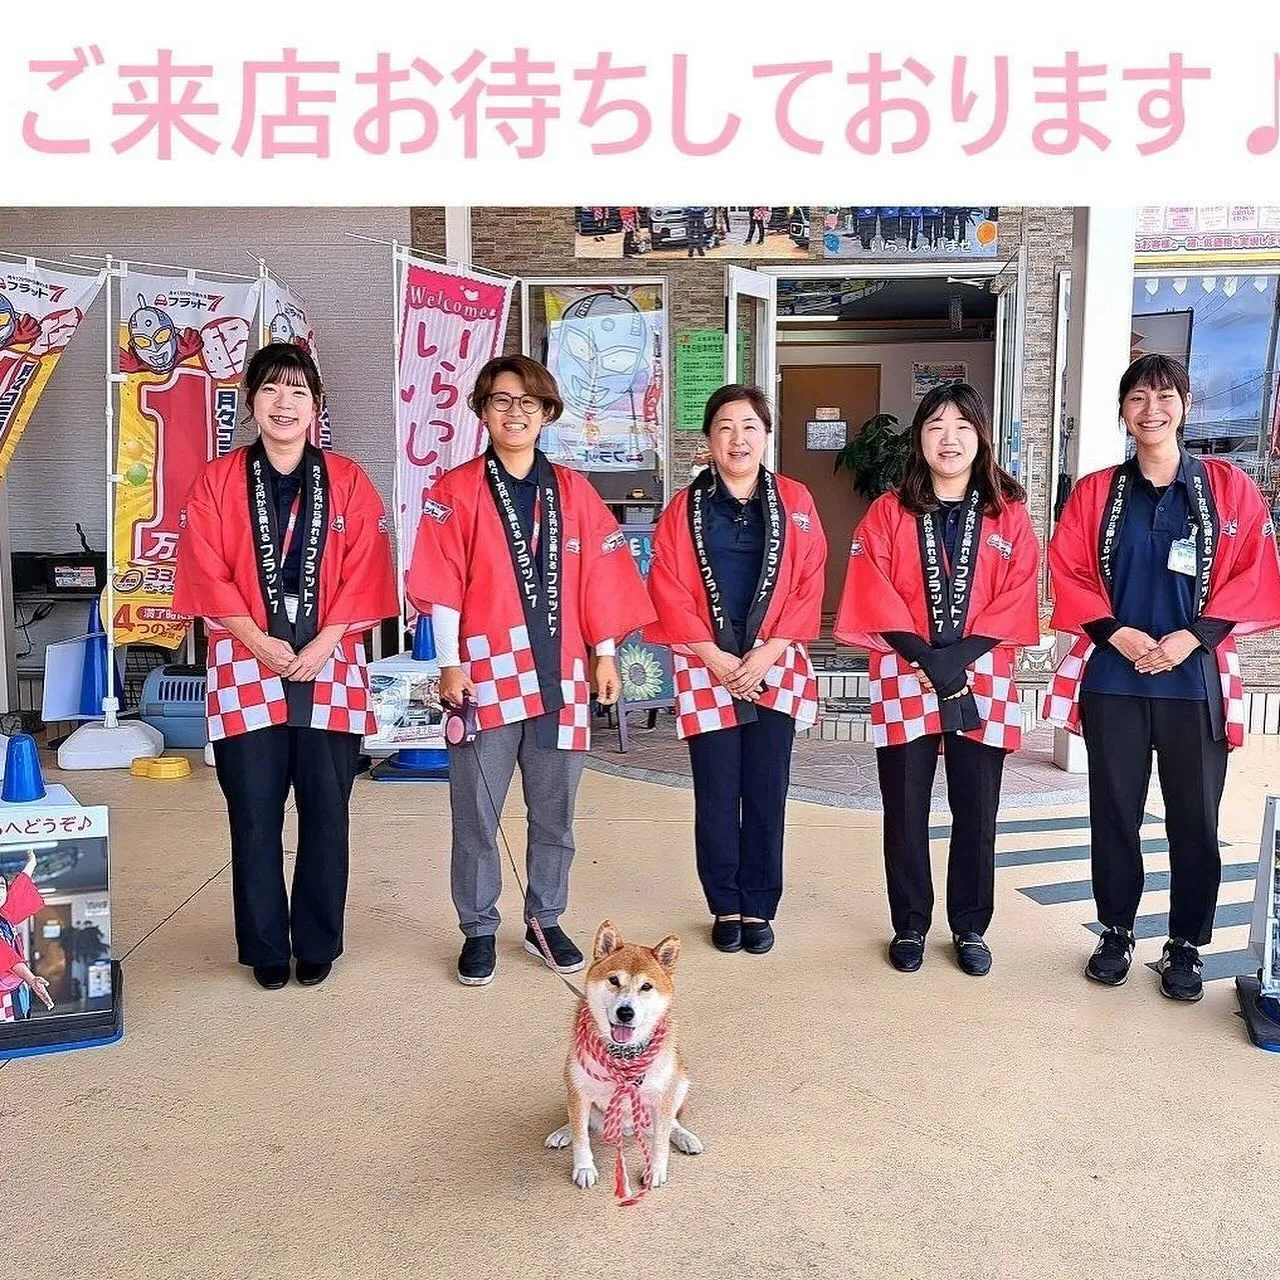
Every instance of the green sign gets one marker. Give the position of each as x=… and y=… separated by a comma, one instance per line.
x=700, y=372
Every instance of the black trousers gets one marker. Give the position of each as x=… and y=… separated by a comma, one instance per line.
x=1120, y=733
x=906, y=774
x=740, y=781
x=255, y=771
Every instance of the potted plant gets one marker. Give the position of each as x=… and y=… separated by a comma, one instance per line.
x=876, y=455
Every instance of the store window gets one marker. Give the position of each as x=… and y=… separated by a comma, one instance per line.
x=605, y=341
x=1223, y=327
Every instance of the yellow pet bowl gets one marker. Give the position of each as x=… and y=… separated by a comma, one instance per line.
x=161, y=767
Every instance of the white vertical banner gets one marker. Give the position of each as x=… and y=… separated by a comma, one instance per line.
x=451, y=322
x=285, y=318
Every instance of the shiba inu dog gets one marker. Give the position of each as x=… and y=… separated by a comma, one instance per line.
x=625, y=1075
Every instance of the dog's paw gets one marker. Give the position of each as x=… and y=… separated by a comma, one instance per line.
x=585, y=1176
x=685, y=1141
x=561, y=1138
x=657, y=1178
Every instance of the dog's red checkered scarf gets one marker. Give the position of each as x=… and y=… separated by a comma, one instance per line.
x=626, y=1075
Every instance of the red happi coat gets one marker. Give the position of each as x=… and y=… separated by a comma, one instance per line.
x=462, y=560
x=794, y=612
x=884, y=591
x=1242, y=585
x=218, y=577
x=23, y=901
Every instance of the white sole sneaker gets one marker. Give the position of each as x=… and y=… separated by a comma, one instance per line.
x=475, y=982
x=534, y=950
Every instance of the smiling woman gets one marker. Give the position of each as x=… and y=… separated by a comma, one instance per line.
x=285, y=553
x=941, y=588
x=1155, y=564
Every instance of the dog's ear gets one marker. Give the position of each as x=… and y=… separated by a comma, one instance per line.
x=668, y=952
x=608, y=939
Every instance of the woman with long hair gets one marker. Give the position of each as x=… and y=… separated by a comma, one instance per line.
x=941, y=589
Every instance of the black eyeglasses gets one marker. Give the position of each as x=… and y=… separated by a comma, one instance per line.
x=501, y=401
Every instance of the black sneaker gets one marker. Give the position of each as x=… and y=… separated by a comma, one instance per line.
x=757, y=937
x=1180, y=971
x=972, y=954
x=906, y=951
x=478, y=960
x=567, y=957
x=1110, y=961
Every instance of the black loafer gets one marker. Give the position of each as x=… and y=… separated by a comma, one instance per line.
x=271, y=976
x=757, y=936
x=311, y=975
x=972, y=954
x=726, y=935
x=906, y=951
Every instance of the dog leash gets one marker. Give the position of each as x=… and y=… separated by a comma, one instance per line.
x=533, y=923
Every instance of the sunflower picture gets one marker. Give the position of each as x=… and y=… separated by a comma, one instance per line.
x=641, y=673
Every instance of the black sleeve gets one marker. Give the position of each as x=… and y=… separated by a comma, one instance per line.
x=944, y=667
x=1100, y=630
x=1211, y=632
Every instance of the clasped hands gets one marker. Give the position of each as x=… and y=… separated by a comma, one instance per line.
x=1151, y=657
x=304, y=665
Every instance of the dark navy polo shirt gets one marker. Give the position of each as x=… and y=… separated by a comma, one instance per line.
x=286, y=489
x=1147, y=594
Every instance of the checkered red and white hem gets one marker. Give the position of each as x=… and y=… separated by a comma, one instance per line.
x=242, y=694
x=1061, y=704
x=505, y=676
x=901, y=711
x=6, y=1007
x=704, y=705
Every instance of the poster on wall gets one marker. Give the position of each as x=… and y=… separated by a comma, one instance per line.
x=183, y=341
x=1209, y=232
x=648, y=679
x=700, y=371
x=670, y=232
x=909, y=231
x=55, y=926
x=451, y=323
x=40, y=311
x=284, y=319
x=606, y=348
x=925, y=375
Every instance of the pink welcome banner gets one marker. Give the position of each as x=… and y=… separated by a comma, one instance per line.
x=451, y=323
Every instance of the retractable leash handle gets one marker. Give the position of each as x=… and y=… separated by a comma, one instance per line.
x=461, y=728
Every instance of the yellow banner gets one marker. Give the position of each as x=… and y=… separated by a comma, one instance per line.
x=183, y=343
x=40, y=311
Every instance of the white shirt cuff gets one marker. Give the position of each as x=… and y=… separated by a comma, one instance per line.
x=445, y=624
x=606, y=648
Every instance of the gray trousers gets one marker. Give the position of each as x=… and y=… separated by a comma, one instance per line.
x=549, y=778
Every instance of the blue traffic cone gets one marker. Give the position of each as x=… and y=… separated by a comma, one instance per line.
x=23, y=777
x=424, y=640
x=93, y=680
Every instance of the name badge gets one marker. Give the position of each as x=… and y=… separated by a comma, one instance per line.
x=1182, y=556
x=291, y=607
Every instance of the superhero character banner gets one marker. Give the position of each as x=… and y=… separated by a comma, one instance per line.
x=451, y=324
x=284, y=319
x=183, y=343
x=606, y=347
x=40, y=311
